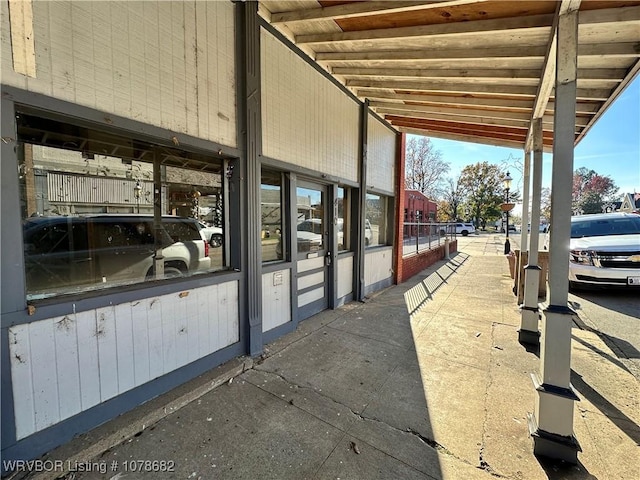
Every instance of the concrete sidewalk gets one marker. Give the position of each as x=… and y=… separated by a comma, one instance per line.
x=424, y=381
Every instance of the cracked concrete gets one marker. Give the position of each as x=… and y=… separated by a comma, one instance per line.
x=425, y=380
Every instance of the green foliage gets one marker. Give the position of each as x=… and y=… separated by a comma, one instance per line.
x=482, y=185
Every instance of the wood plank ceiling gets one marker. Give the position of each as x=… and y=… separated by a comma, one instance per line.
x=470, y=70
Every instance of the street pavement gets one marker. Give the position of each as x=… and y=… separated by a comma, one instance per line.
x=425, y=380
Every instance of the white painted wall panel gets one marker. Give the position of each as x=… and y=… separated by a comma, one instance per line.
x=166, y=63
x=87, y=358
x=64, y=365
x=310, y=264
x=22, y=378
x=345, y=276
x=310, y=280
x=45, y=376
x=107, y=352
x=378, y=265
x=381, y=154
x=124, y=350
x=276, y=299
x=306, y=120
x=312, y=296
x=66, y=341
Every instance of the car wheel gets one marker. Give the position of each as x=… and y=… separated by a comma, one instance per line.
x=465, y=233
x=216, y=240
x=173, y=272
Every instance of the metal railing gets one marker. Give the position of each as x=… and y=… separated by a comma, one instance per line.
x=417, y=237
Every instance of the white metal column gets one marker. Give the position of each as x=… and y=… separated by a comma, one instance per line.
x=529, y=333
x=524, y=241
x=551, y=424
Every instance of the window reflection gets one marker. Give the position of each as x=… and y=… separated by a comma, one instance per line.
x=271, y=211
x=310, y=220
x=376, y=220
x=343, y=222
x=89, y=202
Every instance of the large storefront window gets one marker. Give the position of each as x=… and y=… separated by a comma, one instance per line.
x=271, y=206
x=376, y=231
x=102, y=210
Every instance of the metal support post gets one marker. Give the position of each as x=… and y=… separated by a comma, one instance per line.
x=530, y=314
x=551, y=424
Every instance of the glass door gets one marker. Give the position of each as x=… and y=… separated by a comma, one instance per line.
x=312, y=230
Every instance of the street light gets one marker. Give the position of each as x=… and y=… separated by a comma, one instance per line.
x=506, y=207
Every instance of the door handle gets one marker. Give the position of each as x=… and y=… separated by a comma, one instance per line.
x=327, y=259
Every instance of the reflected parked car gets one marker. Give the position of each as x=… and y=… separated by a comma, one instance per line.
x=212, y=235
x=65, y=254
x=604, y=250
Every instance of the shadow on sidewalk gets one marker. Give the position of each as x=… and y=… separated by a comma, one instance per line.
x=417, y=295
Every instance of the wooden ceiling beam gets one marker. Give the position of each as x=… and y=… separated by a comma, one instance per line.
x=488, y=120
x=362, y=9
x=470, y=129
x=458, y=118
x=444, y=86
x=454, y=113
x=454, y=73
x=434, y=54
x=476, y=27
x=446, y=99
x=468, y=100
x=598, y=94
x=589, y=74
x=614, y=50
x=463, y=138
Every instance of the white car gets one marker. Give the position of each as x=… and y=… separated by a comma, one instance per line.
x=605, y=250
x=465, y=229
x=211, y=235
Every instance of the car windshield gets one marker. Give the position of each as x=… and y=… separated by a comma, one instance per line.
x=627, y=225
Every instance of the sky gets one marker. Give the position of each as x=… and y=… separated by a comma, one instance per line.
x=611, y=148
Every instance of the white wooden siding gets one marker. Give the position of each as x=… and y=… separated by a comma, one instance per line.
x=381, y=155
x=306, y=120
x=311, y=296
x=64, y=365
x=345, y=276
x=167, y=63
x=276, y=299
x=378, y=265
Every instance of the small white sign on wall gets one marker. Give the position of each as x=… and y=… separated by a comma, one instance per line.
x=277, y=279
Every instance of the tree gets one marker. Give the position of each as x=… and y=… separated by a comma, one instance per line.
x=591, y=191
x=484, y=191
x=451, y=200
x=545, y=204
x=424, y=167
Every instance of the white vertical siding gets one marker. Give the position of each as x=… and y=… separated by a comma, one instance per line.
x=378, y=265
x=276, y=299
x=381, y=156
x=165, y=63
x=64, y=365
x=306, y=120
x=345, y=276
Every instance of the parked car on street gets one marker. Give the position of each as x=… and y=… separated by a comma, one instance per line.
x=604, y=250
x=65, y=254
x=465, y=229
